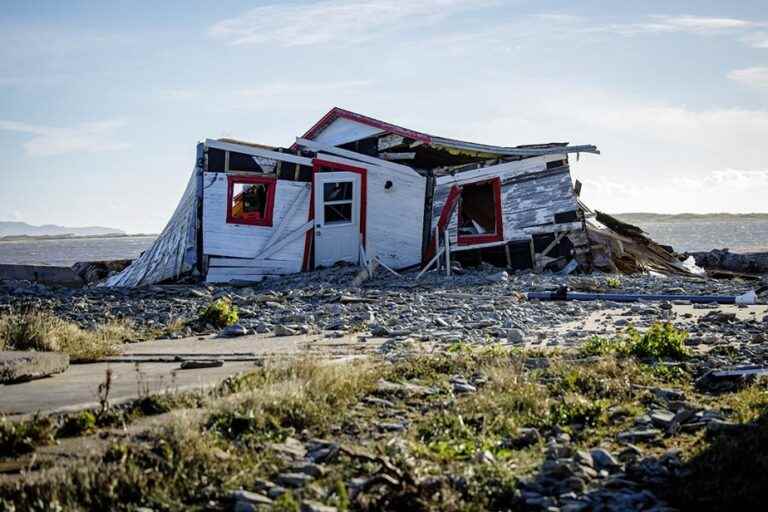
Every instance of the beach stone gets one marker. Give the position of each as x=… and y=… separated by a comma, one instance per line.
x=603, y=459
x=282, y=330
x=294, y=480
x=246, y=501
x=316, y=506
x=21, y=366
x=233, y=331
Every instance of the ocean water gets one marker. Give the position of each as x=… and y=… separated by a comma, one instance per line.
x=69, y=252
x=738, y=236
x=689, y=236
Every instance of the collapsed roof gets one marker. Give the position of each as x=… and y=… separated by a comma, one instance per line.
x=424, y=152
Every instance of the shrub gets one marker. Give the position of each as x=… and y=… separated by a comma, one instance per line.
x=613, y=282
x=220, y=313
x=24, y=437
x=78, y=424
x=599, y=346
x=661, y=340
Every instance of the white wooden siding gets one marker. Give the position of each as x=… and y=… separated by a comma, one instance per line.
x=395, y=218
x=531, y=202
x=344, y=130
x=235, y=248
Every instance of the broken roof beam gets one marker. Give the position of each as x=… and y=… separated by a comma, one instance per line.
x=250, y=150
x=351, y=155
x=509, y=151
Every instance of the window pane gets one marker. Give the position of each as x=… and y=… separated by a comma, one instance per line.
x=249, y=200
x=338, y=213
x=340, y=191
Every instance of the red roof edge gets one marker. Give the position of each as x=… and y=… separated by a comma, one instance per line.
x=337, y=112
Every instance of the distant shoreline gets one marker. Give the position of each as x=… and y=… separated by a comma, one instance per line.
x=36, y=238
x=640, y=217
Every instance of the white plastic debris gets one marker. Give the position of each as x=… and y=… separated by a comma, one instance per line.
x=691, y=266
x=747, y=298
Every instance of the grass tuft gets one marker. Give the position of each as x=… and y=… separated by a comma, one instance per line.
x=44, y=332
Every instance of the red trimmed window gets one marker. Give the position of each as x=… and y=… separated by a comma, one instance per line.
x=250, y=200
x=480, y=219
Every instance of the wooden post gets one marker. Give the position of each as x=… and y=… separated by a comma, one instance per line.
x=437, y=246
x=533, y=254
x=447, y=253
x=509, y=256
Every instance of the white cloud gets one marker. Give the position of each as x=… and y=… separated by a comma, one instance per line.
x=333, y=21
x=87, y=137
x=755, y=77
x=698, y=24
x=685, y=24
x=756, y=39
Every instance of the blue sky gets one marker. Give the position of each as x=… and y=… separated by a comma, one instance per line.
x=102, y=103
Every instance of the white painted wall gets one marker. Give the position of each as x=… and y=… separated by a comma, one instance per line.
x=344, y=130
x=224, y=242
x=395, y=218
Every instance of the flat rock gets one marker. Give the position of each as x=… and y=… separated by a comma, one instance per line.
x=316, y=506
x=245, y=501
x=294, y=480
x=233, y=331
x=17, y=366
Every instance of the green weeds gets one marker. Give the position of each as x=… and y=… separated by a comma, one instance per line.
x=661, y=340
x=220, y=313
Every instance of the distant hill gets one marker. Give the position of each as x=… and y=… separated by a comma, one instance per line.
x=644, y=218
x=24, y=229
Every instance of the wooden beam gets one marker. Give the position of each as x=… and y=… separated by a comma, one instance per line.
x=249, y=150
x=552, y=228
x=290, y=237
x=398, y=156
x=390, y=141
x=431, y=262
x=316, y=146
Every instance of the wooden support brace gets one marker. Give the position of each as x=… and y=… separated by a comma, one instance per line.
x=435, y=258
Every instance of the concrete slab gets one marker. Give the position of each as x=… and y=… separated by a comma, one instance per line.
x=138, y=372
x=16, y=366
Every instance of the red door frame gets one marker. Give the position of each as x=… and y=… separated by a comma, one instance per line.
x=318, y=164
x=454, y=196
x=498, y=234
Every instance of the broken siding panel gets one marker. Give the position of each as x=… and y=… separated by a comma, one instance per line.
x=531, y=195
x=165, y=258
x=395, y=216
x=344, y=130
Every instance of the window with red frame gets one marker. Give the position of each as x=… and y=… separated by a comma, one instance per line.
x=250, y=200
x=480, y=212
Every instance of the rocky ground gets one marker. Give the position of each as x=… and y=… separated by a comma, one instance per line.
x=480, y=399
x=480, y=306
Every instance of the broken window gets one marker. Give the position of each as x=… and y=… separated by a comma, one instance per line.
x=251, y=200
x=480, y=212
x=337, y=202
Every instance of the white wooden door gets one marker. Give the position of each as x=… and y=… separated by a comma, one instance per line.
x=337, y=218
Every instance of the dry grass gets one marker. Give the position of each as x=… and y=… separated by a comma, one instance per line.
x=45, y=332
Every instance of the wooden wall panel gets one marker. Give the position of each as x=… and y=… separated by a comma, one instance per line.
x=234, y=248
x=531, y=201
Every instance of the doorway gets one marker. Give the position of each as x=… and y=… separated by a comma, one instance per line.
x=339, y=210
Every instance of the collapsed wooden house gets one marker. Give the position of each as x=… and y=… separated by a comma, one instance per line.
x=356, y=189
